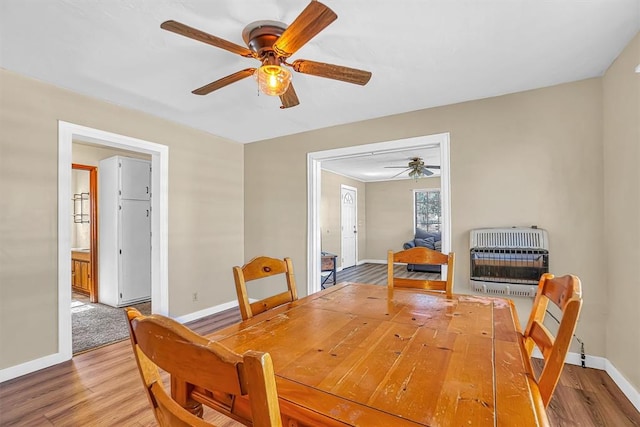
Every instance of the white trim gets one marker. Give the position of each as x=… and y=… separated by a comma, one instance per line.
x=595, y=362
x=627, y=388
x=602, y=364
x=29, y=367
x=67, y=132
x=420, y=190
x=372, y=261
x=206, y=312
x=65, y=345
x=54, y=359
x=314, y=186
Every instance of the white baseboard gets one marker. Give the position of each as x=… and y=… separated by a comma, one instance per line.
x=372, y=261
x=603, y=364
x=56, y=358
x=632, y=394
x=206, y=312
x=595, y=362
x=16, y=371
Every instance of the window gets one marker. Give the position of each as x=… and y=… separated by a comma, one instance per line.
x=427, y=210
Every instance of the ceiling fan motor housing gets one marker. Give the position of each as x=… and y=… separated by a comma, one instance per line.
x=416, y=163
x=261, y=35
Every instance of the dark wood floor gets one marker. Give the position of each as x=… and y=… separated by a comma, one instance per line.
x=377, y=274
x=103, y=388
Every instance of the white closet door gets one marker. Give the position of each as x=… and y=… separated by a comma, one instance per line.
x=135, y=246
x=135, y=178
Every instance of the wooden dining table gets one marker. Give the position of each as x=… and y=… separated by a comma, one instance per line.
x=362, y=355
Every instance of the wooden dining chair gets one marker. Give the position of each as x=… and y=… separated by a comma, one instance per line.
x=260, y=268
x=161, y=342
x=566, y=293
x=421, y=255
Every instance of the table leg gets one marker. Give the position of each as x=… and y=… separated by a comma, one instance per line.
x=334, y=271
x=181, y=392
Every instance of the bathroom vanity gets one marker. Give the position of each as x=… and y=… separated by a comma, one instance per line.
x=81, y=271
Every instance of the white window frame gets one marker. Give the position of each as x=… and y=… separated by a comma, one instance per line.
x=425, y=190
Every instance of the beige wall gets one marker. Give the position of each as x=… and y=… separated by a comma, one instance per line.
x=528, y=158
x=330, y=211
x=621, y=134
x=206, y=231
x=390, y=214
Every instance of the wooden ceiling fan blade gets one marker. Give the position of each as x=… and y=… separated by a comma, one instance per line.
x=192, y=33
x=313, y=19
x=289, y=98
x=218, y=84
x=432, y=166
x=330, y=71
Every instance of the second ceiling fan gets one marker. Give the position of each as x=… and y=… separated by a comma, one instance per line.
x=272, y=43
x=416, y=168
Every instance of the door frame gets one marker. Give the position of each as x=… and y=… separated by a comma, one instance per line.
x=67, y=133
x=93, y=227
x=355, y=206
x=314, y=175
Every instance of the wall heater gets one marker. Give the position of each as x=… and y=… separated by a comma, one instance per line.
x=508, y=261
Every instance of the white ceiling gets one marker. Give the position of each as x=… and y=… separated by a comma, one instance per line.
x=383, y=165
x=422, y=53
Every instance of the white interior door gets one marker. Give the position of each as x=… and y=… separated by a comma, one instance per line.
x=349, y=226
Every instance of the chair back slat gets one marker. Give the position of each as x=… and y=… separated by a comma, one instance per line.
x=270, y=302
x=560, y=290
x=263, y=266
x=566, y=293
x=177, y=349
x=542, y=337
x=161, y=342
x=421, y=255
x=260, y=268
x=434, y=285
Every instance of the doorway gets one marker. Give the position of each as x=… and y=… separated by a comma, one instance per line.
x=69, y=133
x=95, y=321
x=314, y=172
x=348, y=226
x=84, y=231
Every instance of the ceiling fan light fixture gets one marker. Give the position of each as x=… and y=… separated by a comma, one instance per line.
x=273, y=80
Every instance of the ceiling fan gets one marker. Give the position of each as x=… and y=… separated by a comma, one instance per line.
x=272, y=43
x=416, y=168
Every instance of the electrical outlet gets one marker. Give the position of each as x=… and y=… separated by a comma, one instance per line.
x=195, y=297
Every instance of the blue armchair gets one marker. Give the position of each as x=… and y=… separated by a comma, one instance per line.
x=429, y=239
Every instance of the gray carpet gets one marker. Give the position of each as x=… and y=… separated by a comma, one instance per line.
x=95, y=325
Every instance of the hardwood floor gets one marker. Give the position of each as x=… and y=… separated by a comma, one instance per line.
x=102, y=387
x=97, y=388
x=377, y=274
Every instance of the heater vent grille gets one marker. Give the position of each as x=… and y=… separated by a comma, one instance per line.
x=508, y=261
